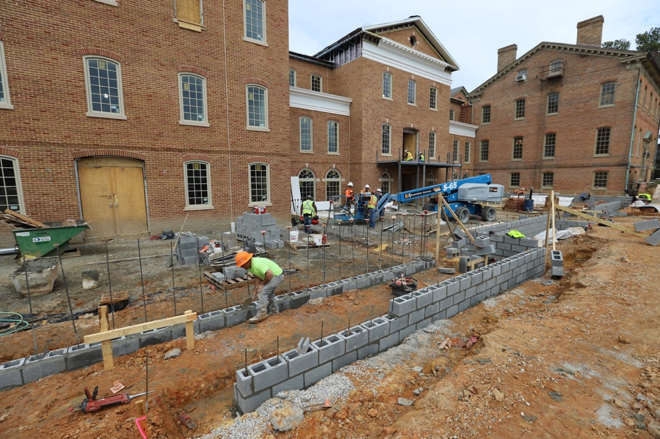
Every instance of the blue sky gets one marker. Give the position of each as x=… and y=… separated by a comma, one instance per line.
x=471, y=31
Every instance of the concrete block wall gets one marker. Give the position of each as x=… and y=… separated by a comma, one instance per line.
x=250, y=226
x=25, y=370
x=408, y=313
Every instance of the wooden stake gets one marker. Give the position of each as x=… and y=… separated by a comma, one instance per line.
x=547, y=232
x=190, y=333
x=139, y=406
x=467, y=232
x=552, y=194
x=106, y=346
x=437, y=236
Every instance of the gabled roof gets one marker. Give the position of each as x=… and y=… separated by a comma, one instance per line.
x=454, y=91
x=371, y=33
x=626, y=56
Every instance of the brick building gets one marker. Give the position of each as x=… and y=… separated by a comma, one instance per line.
x=576, y=118
x=135, y=118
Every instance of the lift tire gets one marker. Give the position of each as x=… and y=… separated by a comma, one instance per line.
x=463, y=214
x=488, y=214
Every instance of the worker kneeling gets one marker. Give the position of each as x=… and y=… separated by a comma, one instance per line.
x=268, y=276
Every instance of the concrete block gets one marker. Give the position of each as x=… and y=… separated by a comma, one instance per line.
x=556, y=258
x=368, y=350
x=125, y=346
x=357, y=338
x=83, y=355
x=388, y=276
x=429, y=311
x=295, y=383
x=299, y=363
x=350, y=284
x=363, y=282
x=405, y=332
x=453, y=287
x=244, y=382
x=446, y=303
x=487, y=250
x=423, y=324
x=10, y=374
x=460, y=243
x=463, y=305
x=43, y=365
x=557, y=271
x=486, y=273
x=282, y=301
x=529, y=242
x=439, y=292
x=654, y=239
x=378, y=328
x=452, y=311
x=388, y=341
x=298, y=299
x=218, y=276
x=477, y=276
x=235, y=315
x=518, y=248
x=344, y=360
x=452, y=252
x=481, y=241
x=416, y=316
x=439, y=316
x=410, y=269
x=267, y=373
x=403, y=305
x=317, y=374
x=397, y=323
x=330, y=348
x=424, y=298
x=251, y=403
x=211, y=321
x=470, y=292
x=652, y=224
x=234, y=272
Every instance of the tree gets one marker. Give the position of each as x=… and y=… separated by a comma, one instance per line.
x=621, y=44
x=649, y=41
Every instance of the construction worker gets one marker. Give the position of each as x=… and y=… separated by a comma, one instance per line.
x=366, y=190
x=421, y=156
x=646, y=198
x=371, y=207
x=408, y=156
x=379, y=195
x=350, y=198
x=308, y=210
x=267, y=277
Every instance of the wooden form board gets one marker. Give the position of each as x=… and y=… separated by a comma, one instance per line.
x=600, y=221
x=135, y=329
x=26, y=219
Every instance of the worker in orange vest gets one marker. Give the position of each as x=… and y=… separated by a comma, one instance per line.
x=350, y=198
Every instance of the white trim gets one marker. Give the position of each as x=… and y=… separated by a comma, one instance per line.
x=264, y=40
x=208, y=186
x=120, y=91
x=311, y=82
x=336, y=137
x=295, y=77
x=311, y=135
x=462, y=129
x=182, y=121
x=397, y=55
x=108, y=2
x=19, y=184
x=318, y=101
x=268, y=195
x=247, y=108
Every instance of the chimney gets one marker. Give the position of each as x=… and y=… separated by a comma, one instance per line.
x=590, y=32
x=505, y=56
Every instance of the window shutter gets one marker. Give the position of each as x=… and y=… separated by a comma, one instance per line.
x=188, y=11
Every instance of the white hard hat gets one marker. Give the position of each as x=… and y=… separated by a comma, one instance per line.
x=366, y=185
x=378, y=190
x=350, y=183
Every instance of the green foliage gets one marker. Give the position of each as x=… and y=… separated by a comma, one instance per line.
x=621, y=44
x=648, y=41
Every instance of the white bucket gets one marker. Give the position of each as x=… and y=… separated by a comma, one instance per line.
x=293, y=236
x=318, y=239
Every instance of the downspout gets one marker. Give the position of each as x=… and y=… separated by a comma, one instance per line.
x=231, y=191
x=632, y=133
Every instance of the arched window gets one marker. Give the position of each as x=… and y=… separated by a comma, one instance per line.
x=307, y=183
x=257, y=107
x=11, y=193
x=333, y=186
x=192, y=100
x=259, y=183
x=466, y=175
x=104, y=91
x=385, y=182
x=430, y=179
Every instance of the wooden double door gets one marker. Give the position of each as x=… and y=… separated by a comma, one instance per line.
x=112, y=193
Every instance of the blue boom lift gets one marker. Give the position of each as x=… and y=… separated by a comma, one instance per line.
x=465, y=197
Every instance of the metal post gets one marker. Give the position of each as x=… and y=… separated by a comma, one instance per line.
x=112, y=301
x=321, y=333
x=413, y=235
x=263, y=236
x=367, y=230
x=277, y=354
x=27, y=286
x=68, y=298
x=340, y=261
x=146, y=395
x=326, y=237
x=201, y=292
x=173, y=286
x=352, y=246
x=289, y=255
x=380, y=254
x=392, y=236
x=307, y=261
x=144, y=297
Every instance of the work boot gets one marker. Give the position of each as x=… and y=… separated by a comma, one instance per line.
x=258, y=318
x=273, y=310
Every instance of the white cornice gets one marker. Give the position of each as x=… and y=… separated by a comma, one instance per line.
x=396, y=55
x=315, y=101
x=462, y=129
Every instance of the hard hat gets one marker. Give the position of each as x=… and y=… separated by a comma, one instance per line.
x=309, y=197
x=366, y=185
x=378, y=190
x=350, y=183
x=242, y=257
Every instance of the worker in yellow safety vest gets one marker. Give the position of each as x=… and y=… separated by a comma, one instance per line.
x=646, y=198
x=409, y=157
x=308, y=210
x=371, y=207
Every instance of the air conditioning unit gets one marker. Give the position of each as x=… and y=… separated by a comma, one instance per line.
x=521, y=77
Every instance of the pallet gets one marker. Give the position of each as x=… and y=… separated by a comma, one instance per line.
x=228, y=284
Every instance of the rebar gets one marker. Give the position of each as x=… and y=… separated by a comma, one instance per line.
x=112, y=301
x=340, y=261
x=380, y=254
x=392, y=236
x=367, y=230
x=307, y=261
x=326, y=237
x=173, y=286
x=277, y=354
x=321, y=343
x=352, y=246
x=144, y=297
x=27, y=286
x=201, y=290
x=146, y=396
x=289, y=256
x=68, y=298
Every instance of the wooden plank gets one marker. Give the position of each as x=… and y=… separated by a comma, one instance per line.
x=467, y=232
x=190, y=333
x=106, y=345
x=292, y=245
x=600, y=221
x=135, y=329
x=26, y=219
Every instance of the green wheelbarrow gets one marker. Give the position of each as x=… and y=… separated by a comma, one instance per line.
x=37, y=243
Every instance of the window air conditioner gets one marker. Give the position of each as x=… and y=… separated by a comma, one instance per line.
x=521, y=77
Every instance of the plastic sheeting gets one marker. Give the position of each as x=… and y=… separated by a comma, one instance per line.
x=558, y=234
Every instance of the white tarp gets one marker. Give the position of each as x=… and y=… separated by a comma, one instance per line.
x=640, y=203
x=295, y=196
x=558, y=234
x=539, y=200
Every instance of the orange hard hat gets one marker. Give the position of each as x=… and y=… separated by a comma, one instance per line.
x=242, y=257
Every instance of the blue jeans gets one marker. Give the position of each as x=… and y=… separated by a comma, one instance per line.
x=307, y=221
x=372, y=218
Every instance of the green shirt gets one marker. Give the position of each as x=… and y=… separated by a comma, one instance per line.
x=261, y=265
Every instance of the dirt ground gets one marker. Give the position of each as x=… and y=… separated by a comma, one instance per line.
x=576, y=357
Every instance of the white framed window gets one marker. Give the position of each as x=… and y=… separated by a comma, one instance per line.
x=257, y=107
x=198, y=185
x=306, y=134
x=432, y=144
x=515, y=179
x=189, y=14
x=485, y=114
x=553, y=103
x=520, y=109
x=385, y=183
x=607, y=94
x=386, y=140
x=387, y=85
x=104, y=91
x=547, y=180
x=455, y=151
x=259, y=183
x=317, y=83
x=192, y=100
x=333, y=186
x=292, y=78
x=433, y=99
x=11, y=190
x=254, y=14
x=451, y=114
x=467, y=152
x=333, y=137
x=5, y=100
x=307, y=183
x=412, y=92
x=483, y=155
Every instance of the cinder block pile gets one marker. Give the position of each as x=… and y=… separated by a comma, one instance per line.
x=653, y=224
x=250, y=226
x=187, y=248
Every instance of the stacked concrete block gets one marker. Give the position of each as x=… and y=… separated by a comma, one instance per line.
x=188, y=246
x=232, y=272
x=557, y=261
x=250, y=226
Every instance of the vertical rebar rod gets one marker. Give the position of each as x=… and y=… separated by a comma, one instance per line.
x=27, y=286
x=277, y=354
x=380, y=254
x=112, y=301
x=201, y=290
x=246, y=369
x=68, y=298
x=146, y=395
x=421, y=237
x=392, y=236
x=289, y=256
x=352, y=246
x=321, y=344
x=348, y=329
x=412, y=237
x=173, y=286
x=326, y=237
x=144, y=297
x=307, y=261
x=340, y=261
x=367, y=230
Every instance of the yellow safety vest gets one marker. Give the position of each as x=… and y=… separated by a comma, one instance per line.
x=644, y=196
x=308, y=207
x=515, y=234
x=372, y=202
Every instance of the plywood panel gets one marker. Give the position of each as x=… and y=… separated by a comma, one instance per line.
x=131, y=202
x=97, y=194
